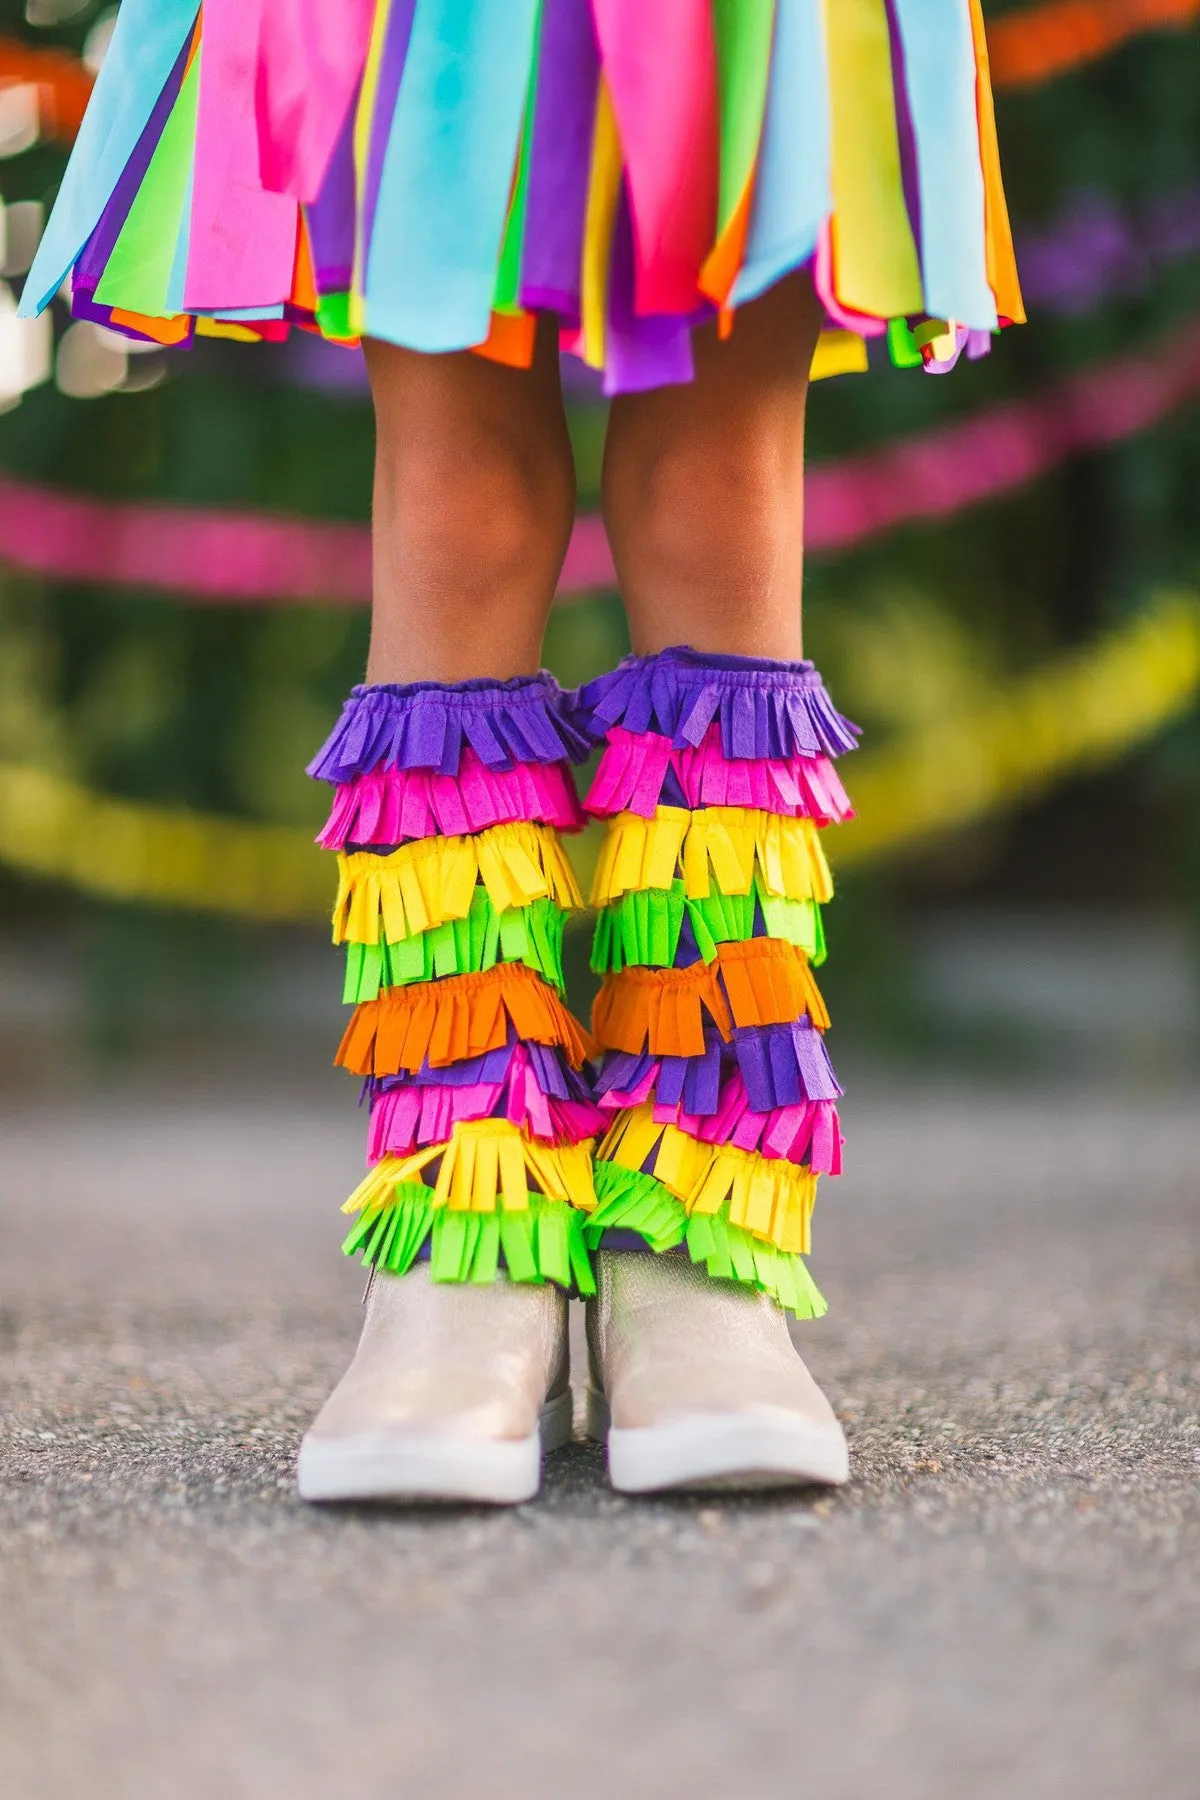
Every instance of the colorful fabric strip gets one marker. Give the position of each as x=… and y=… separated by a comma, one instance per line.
x=532, y=935
x=390, y=806
x=640, y=770
x=543, y=1242
x=646, y=928
x=765, y=710
x=450, y=1021
x=760, y=982
x=727, y=846
x=428, y=725
x=429, y=882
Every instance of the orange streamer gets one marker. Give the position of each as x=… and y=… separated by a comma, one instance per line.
x=64, y=85
x=760, y=982
x=464, y=1016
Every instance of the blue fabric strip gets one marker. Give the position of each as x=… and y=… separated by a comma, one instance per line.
x=148, y=38
x=447, y=173
x=939, y=64
x=792, y=191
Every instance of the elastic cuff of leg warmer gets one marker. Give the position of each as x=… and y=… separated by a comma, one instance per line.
x=766, y=710
x=431, y=724
x=543, y=1243
x=632, y=1201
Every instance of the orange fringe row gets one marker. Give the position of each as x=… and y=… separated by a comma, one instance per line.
x=446, y=1022
x=760, y=982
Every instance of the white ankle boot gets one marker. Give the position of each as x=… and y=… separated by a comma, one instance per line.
x=454, y=1393
x=694, y=1382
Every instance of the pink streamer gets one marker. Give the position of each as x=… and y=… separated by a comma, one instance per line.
x=808, y=1132
x=634, y=768
x=404, y=1120
x=310, y=55
x=268, y=560
x=242, y=247
x=391, y=806
x=666, y=108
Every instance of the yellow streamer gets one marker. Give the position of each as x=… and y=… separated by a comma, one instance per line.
x=771, y=1199
x=427, y=883
x=1081, y=712
x=485, y=1168
x=732, y=841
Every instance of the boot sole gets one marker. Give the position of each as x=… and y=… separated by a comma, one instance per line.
x=717, y=1450
x=410, y=1466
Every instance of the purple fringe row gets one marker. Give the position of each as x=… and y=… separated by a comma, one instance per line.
x=425, y=725
x=781, y=1065
x=765, y=709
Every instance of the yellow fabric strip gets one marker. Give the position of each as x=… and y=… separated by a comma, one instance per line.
x=838, y=353
x=363, y=121
x=426, y=883
x=721, y=844
x=487, y=1166
x=603, y=191
x=773, y=1200
x=876, y=269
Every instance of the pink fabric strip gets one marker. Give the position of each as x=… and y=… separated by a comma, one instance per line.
x=391, y=806
x=808, y=1132
x=309, y=58
x=667, y=116
x=635, y=764
x=408, y=1119
x=242, y=247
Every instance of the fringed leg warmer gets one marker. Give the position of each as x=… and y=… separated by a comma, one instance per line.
x=715, y=781
x=453, y=887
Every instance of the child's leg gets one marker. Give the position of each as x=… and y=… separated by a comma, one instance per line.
x=474, y=501
x=451, y=784
x=716, y=776
x=703, y=488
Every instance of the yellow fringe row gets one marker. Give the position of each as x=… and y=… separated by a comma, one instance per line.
x=729, y=841
x=485, y=1169
x=771, y=1200
x=426, y=883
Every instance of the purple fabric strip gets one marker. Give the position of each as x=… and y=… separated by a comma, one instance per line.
x=781, y=1065
x=765, y=709
x=426, y=724
x=553, y=1074
x=93, y=258
x=331, y=217
x=556, y=200
x=640, y=352
x=391, y=69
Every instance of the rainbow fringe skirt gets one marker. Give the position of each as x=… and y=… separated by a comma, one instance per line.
x=436, y=173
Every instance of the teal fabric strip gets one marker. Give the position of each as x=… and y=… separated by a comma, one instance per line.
x=793, y=191
x=148, y=37
x=939, y=65
x=447, y=173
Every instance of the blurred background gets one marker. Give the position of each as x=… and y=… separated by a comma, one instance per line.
x=1000, y=590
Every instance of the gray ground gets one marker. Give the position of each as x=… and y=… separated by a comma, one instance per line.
x=1004, y=1602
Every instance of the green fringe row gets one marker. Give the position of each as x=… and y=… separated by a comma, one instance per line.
x=532, y=935
x=642, y=928
x=546, y=1243
x=633, y=1201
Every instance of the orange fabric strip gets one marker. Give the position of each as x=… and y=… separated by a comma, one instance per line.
x=1001, y=259
x=449, y=1021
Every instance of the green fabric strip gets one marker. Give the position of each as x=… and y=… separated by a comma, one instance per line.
x=631, y=1200
x=545, y=1243
x=138, y=273
x=532, y=934
x=743, y=32
x=642, y=929
x=508, y=272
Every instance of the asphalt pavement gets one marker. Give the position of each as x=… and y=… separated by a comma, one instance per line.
x=1004, y=1602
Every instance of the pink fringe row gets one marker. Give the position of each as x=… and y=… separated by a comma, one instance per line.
x=407, y=1119
x=807, y=1133
x=391, y=806
x=634, y=768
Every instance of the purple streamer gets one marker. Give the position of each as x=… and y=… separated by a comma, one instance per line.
x=560, y=163
x=426, y=724
x=765, y=709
